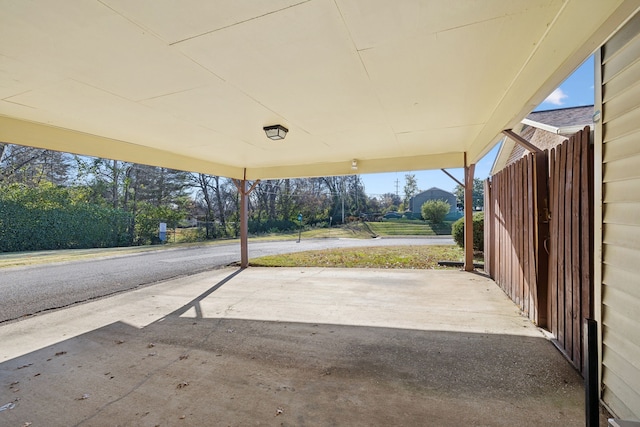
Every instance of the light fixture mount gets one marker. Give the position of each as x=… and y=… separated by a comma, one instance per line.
x=275, y=132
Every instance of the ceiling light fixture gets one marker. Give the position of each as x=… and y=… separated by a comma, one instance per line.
x=275, y=132
x=354, y=164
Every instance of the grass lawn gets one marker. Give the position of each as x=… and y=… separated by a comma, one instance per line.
x=409, y=228
x=354, y=230
x=421, y=257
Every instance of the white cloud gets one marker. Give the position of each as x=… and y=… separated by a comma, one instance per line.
x=557, y=97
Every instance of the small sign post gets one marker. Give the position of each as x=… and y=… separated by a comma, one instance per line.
x=163, y=232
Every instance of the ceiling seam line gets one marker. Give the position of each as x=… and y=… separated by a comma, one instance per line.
x=364, y=67
x=138, y=25
x=238, y=23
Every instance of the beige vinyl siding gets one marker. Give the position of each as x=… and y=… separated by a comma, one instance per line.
x=620, y=292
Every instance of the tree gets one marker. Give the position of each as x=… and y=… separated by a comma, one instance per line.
x=410, y=188
x=389, y=202
x=337, y=188
x=478, y=195
x=33, y=166
x=435, y=210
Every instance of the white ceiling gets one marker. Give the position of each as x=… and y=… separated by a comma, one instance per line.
x=189, y=84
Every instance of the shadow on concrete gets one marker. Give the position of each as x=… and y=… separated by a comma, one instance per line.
x=215, y=371
x=195, y=303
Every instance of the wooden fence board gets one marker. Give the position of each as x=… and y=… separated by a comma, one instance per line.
x=559, y=255
x=552, y=244
x=575, y=251
x=540, y=274
x=526, y=290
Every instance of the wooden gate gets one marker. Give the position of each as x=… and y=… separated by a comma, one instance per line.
x=570, y=243
x=539, y=240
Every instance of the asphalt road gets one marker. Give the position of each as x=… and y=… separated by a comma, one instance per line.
x=26, y=291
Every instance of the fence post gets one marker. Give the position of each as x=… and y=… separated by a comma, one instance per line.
x=488, y=229
x=468, y=214
x=541, y=183
x=590, y=368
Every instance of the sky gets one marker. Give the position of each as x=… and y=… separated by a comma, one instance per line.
x=576, y=90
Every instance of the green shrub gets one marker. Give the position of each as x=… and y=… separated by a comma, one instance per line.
x=50, y=217
x=457, y=230
x=435, y=210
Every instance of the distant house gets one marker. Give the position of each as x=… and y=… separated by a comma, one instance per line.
x=416, y=202
x=545, y=130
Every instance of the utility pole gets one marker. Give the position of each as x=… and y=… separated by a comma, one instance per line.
x=397, y=186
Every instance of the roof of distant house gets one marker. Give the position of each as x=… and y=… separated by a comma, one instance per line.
x=433, y=188
x=564, y=117
x=545, y=130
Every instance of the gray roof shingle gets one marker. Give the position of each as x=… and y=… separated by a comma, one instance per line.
x=562, y=117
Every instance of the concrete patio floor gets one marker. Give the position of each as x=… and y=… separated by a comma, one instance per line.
x=290, y=347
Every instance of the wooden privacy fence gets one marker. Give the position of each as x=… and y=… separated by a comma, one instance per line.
x=539, y=239
x=514, y=233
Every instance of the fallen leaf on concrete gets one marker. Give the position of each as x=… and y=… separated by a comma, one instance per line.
x=151, y=345
x=14, y=383
x=182, y=417
x=184, y=356
x=38, y=374
x=27, y=424
x=83, y=397
x=230, y=331
x=155, y=353
x=25, y=366
x=279, y=411
x=119, y=342
x=60, y=353
x=183, y=384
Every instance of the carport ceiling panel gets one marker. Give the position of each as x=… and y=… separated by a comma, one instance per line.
x=223, y=108
x=177, y=20
x=117, y=118
x=466, y=68
x=437, y=140
x=90, y=43
x=17, y=77
x=299, y=63
x=375, y=23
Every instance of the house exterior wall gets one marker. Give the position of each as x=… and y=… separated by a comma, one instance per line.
x=541, y=138
x=416, y=202
x=617, y=225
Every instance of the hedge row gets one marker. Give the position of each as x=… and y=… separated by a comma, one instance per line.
x=28, y=223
